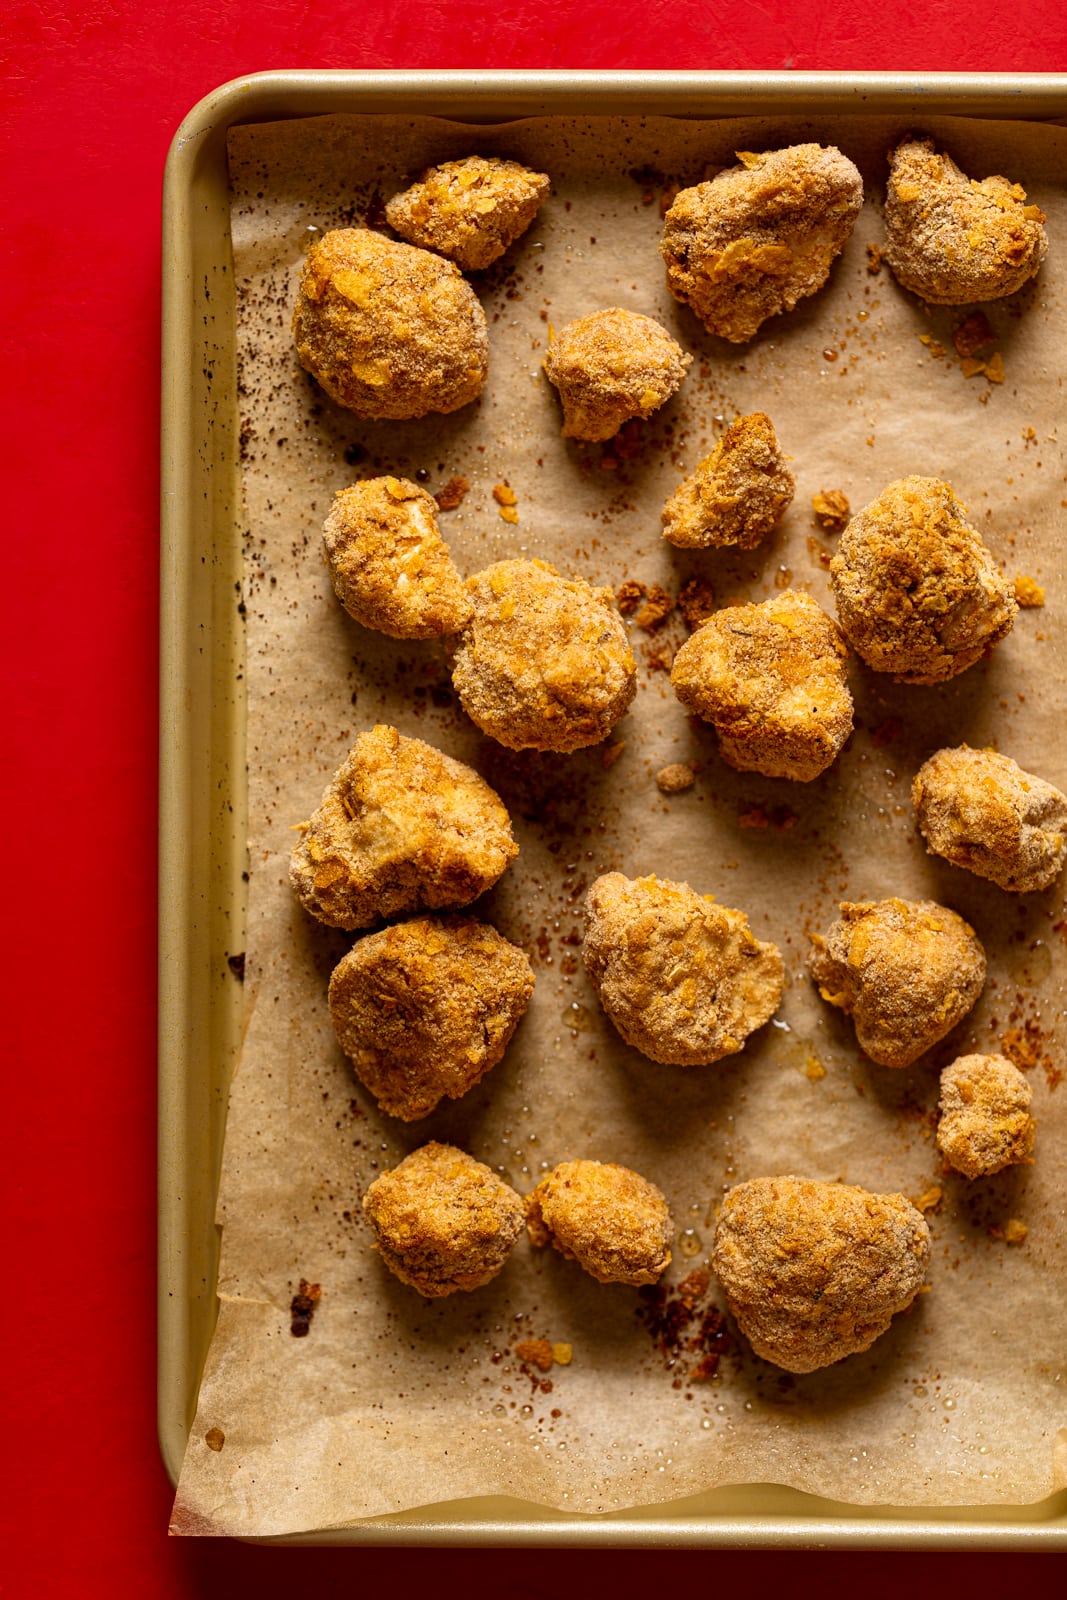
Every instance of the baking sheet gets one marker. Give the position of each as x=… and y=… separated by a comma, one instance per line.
x=390, y=1402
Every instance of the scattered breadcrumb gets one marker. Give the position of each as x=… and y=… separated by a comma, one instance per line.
x=874, y=259
x=538, y=1352
x=831, y=509
x=696, y=602
x=451, y=496
x=675, y=777
x=1028, y=592
x=974, y=333
x=652, y=604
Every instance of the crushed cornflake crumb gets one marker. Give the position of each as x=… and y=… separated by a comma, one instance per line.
x=994, y=370
x=970, y=366
x=610, y=753
x=831, y=509
x=452, y=494
x=1013, y=1232
x=874, y=259
x=1028, y=592
x=935, y=347
x=930, y=1200
x=504, y=495
x=675, y=777
x=974, y=333
x=563, y=1354
x=537, y=1352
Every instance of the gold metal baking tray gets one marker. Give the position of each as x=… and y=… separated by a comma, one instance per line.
x=202, y=754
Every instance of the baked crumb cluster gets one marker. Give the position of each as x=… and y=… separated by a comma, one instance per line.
x=736, y=495
x=812, y=1271
x=470, y=210
x=611, y=366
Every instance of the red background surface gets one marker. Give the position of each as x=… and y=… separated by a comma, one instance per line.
x=93, y=91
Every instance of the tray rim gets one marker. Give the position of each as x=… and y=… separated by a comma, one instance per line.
x=201, y=761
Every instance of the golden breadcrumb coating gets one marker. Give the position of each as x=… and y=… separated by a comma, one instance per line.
x=443, y=1221
x=683, y=979
x=760, y=236
x=390, y=568
x=545, y=663
x=736, y=495
x=954, y=239
x=610, y=1220
x=985, y=1122
x=981, y=811
x=400, y=827
x=611, y=366
x=906, y=971
x=771, y=680
x=918, y=593
x=388, y=330
x=469, y=210
x=425, y=1009
x=814, y=1272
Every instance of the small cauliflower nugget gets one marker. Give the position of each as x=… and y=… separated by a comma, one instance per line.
x=610, y=1220
x=388, y=330
x=771, y=680
x=611, y=366
x=906, y=971
x=814, y=1272
x=954, y=239
x=981, y=811
x=683, y=979
x=985, y=1121
x=390, y=568
x=469, y=210
x=400, y=827
x=443, y=1221
x=425, y=1009
x=736, y=495
x=545, y=663
x=918, y=594
x=760, y=236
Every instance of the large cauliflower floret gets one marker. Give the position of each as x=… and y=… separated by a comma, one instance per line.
x=610, y=366
x=545, y=663
x=683, y=979
x=954, y=239
x=469, y=210
x=610, y=1220
x=918, y=593
x=906, y=971
x=443, y=1221
x=400, y=827
x=425, y=1009
x=760, y=236
x=981, y=811
x=771, y=680
x=390, y=568
x=814, y=1272
x=736, y=494
x=388, y=330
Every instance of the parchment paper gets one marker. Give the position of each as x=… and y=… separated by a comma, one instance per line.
x=392, y=1402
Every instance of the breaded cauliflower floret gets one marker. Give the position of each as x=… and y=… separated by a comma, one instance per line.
x=985, y=1122
x=918, y=594
x=545, y=663
x=390, y=568
x=610, y=1220
x=388, y=330
x=771, y=680
x=400, y=827
x=757, y=238
x=954, y=239
x=736, y=495
x=906, y=971
x=683, y=979
x=469, y=210
x=981, y=811
x=443, y=1221
x=425, y=1009
x=814, y=1272
x=611, y=366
